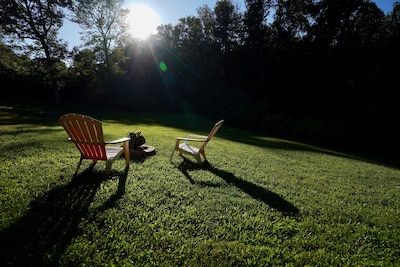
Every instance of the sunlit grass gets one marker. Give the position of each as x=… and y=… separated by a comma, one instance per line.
x=260, y=201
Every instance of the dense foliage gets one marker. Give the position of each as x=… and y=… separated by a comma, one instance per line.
x=316, y=70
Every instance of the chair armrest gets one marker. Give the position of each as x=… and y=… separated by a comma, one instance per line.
x=196, y=136
x=121, y=140
x=190, y=139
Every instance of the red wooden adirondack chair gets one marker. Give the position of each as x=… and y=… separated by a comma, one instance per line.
x=87, y=134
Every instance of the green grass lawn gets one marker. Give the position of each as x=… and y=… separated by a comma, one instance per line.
x=259, y=201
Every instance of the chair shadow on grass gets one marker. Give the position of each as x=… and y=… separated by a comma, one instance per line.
x=255, y=191
x=40, y=237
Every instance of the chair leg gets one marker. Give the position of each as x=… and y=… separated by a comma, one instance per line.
x=203, y=154
x=108, y=168
x=172, y=154
x=176, y=147
x=127, y=153
x=79, y=165
x=197, y=156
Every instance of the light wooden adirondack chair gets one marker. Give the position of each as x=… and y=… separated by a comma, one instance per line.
x=186, y=148
x=87, y=134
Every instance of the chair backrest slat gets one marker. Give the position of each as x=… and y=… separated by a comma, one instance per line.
x=213, y=131
x=86, y=133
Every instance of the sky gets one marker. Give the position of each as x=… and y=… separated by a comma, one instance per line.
x=169, y=12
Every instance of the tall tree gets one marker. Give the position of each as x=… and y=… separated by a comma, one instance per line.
x=190, y=37
x=291, y=20
x=227, y=28
x=332, y=19
x=190, y=29
x=14, y=69
x=31, y=27
x=104, y=25
x=394, y=24
x=255, y=24
x=207, y=18
x=255, y=19
x=168, y=35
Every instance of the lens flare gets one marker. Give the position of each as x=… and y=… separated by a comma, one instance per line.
x=163, y=66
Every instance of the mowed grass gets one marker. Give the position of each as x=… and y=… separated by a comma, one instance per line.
x=259, y=201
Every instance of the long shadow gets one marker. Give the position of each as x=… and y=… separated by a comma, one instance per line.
x=255, y=191
x=111, y=202
x=40, y=237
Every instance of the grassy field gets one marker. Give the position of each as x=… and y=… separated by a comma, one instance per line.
x=258, y=201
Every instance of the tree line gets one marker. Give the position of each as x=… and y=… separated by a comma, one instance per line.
x=322, y=71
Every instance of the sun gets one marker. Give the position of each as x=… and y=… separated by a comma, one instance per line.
x=142, y=21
